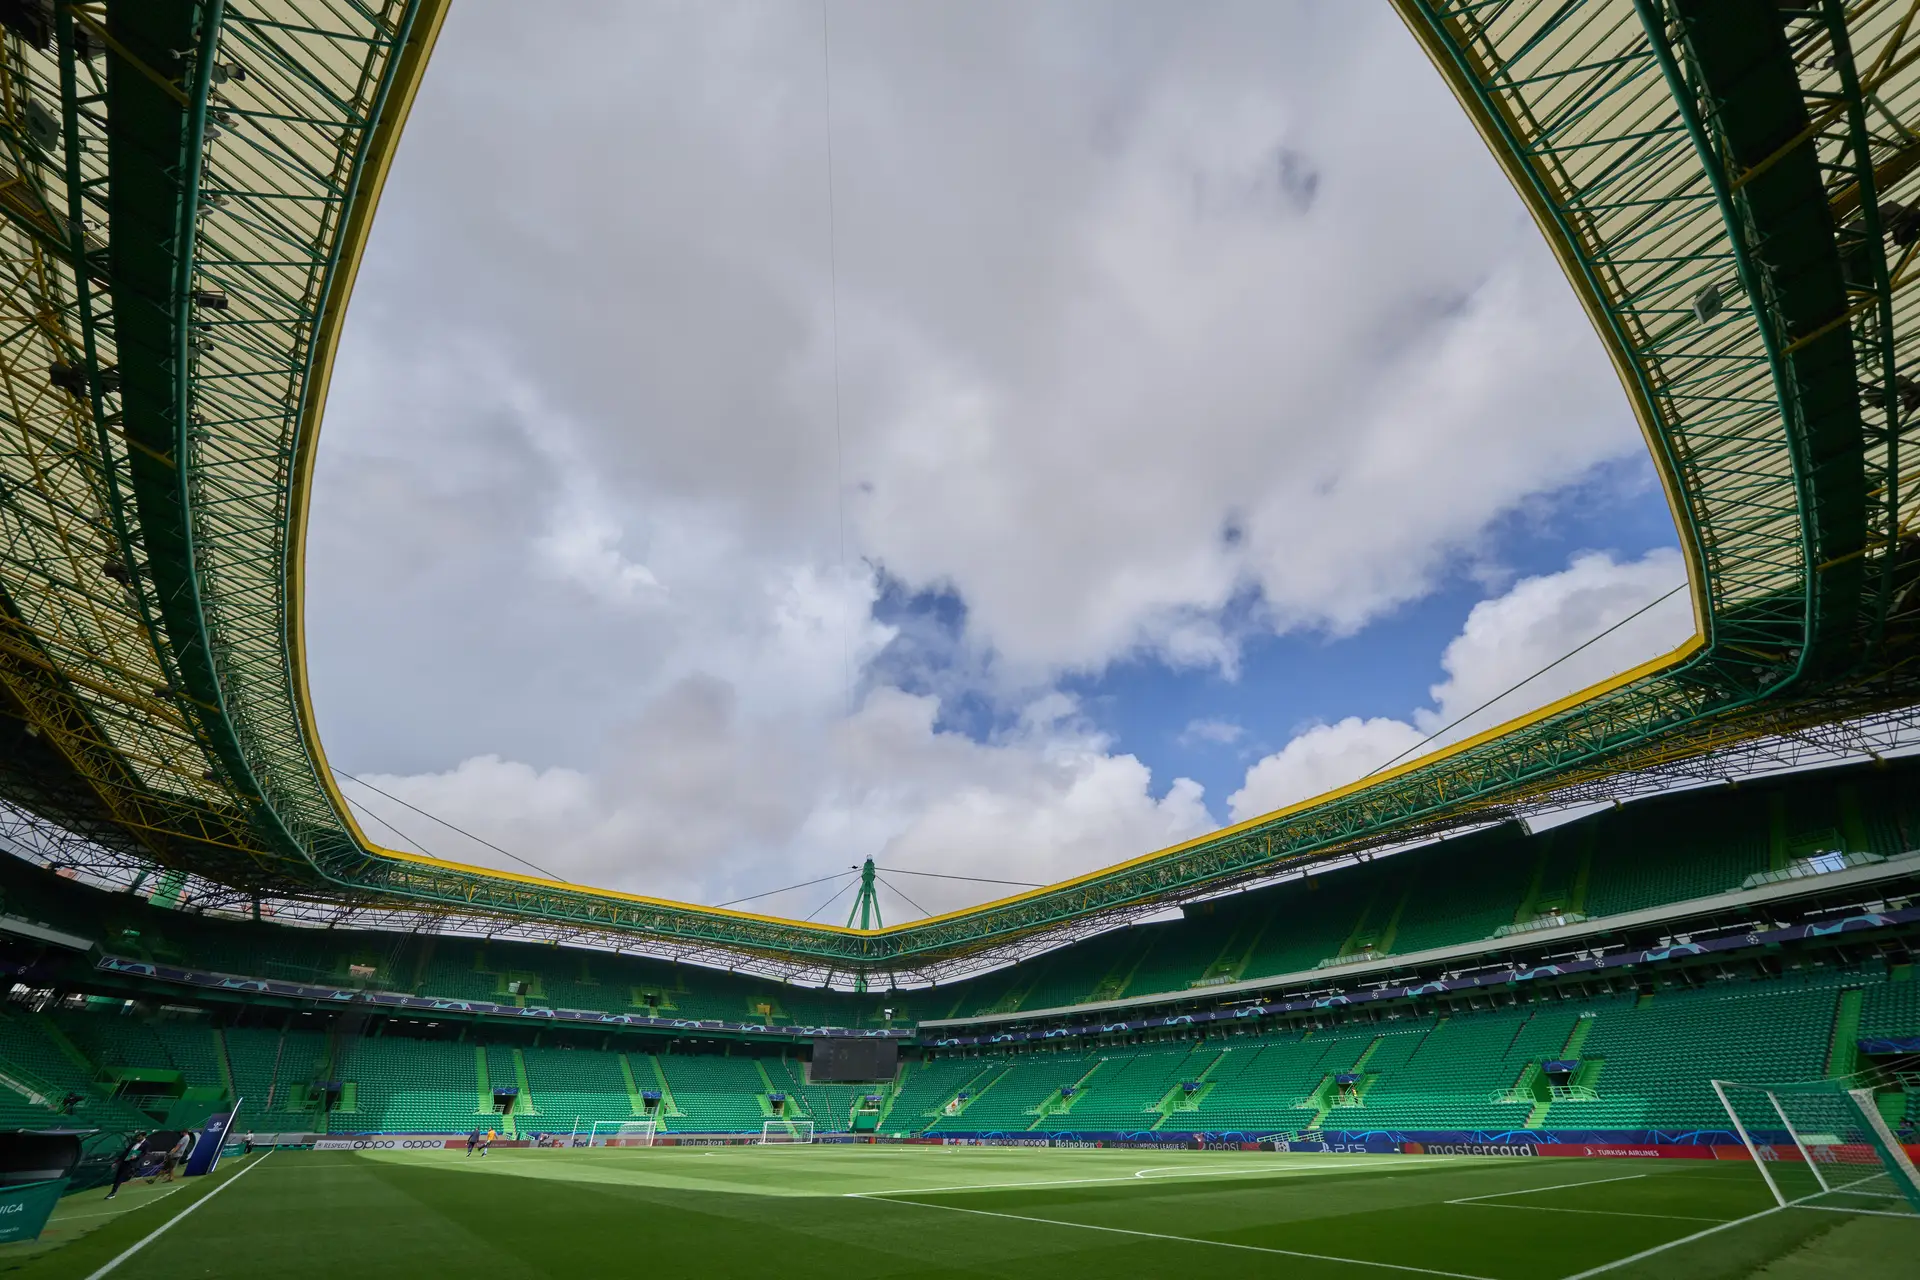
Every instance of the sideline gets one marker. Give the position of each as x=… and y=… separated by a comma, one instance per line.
x=111, y=1213
x=167, y=1226
x=1218, y=1244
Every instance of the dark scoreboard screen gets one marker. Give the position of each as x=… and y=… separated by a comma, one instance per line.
x=855, y=1061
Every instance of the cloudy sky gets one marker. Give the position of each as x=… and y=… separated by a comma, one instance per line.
x=997, y=438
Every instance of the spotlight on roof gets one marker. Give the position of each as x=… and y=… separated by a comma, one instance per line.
x=1707, y=303
x=1900, y=222
x=211, y=299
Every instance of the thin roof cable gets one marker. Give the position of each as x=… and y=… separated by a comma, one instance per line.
x=937, y=875
x=829, y=902
x=449, y=826
x=404, y=837
x=790, y=888
x=896, y=888
x=1529, y=680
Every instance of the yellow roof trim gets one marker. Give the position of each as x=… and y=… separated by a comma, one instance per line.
x=353, y=244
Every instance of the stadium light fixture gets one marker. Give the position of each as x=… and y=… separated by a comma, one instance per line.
x=1708, y=303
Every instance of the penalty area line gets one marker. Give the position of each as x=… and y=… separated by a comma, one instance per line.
x=168, y=1225
x=1156, y=1235
x=1605, y=1213
x=1617, y=1263
x=1245, y=1172
x=1560, y=1186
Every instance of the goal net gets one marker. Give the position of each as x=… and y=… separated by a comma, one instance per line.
x=784, y=1132
x=1823, y=1144
x=622, y=1133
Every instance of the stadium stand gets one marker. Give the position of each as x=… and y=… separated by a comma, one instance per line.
x=1655, y=1052
x=133, y=1047
x=1124, y=1091
x=715, y=1093
x=1642, y=1060
x=1016, y=1095
x=928, y=1085
x=402, y=1085
x=577, y=1087
x=1454, y=893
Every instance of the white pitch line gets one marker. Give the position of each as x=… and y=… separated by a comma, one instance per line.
x=1671, y=1244
x=1610, y=1213
x=110, y=1213
x=1260, y=1171
x=1562, y=1186
x=167, y=1226
x=1155, y=1235
x=1840, y=1208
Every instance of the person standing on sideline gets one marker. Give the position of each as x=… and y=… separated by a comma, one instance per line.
x=175, y=1154
x=129, y=1160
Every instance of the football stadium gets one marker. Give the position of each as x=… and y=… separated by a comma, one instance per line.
x=1401, y=1028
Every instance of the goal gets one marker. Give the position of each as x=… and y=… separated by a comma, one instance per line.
x=785, y=1132
x=622, y=1133
x=1823, y=1144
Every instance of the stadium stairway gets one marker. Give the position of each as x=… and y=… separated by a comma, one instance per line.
x=1177, y=1100
x=1012, y=1098
x=667, y=1107
x=829, y=1106
x=1120, y=976
x=792, y=1106
x=35, y=1054
x=1842, y=1048
x=980, y=1086
x=1060, y=1101
x=1124, y=1091
x=927, y=1088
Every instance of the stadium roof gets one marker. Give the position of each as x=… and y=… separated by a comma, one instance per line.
x=187, y=187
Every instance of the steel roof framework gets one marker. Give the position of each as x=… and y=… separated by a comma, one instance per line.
x=1730, y=186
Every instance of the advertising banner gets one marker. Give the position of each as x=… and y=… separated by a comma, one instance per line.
x=1470, y=1148
x=24, y=1208
x=205, y=1155
x=1658, y=1152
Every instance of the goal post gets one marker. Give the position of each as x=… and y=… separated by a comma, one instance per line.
x=1822, y=1144
x=781, y=1133
x=623, y=1133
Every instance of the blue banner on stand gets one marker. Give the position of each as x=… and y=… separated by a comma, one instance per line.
x=213, y=1136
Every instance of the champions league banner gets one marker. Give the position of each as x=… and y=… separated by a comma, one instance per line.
x=213, y=1136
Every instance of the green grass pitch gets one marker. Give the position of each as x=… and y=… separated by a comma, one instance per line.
x=932, y=1212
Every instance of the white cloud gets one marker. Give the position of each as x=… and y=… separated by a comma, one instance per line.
x=1534, y=626
x=1540, y=620
x=719, y=789
x=1319, y=759
x=1158, y=326
x=708, y=803
x=1172, y=315
x=1222, y=733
